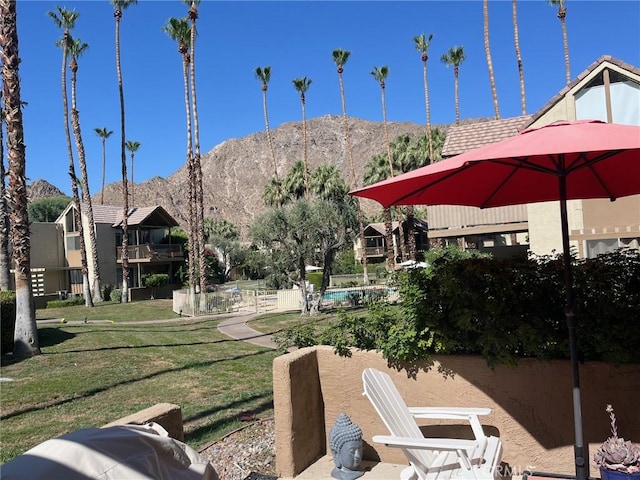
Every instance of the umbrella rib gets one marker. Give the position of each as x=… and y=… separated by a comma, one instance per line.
x=590, y=163
x=499, y=187
x=429, y=185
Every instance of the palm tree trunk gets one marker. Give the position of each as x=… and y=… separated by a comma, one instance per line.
x=94, y=288
x=104, y=168
x=487, y=51
x=427, y=106
x=193, y=241
x=562, y=14
x=304, y=142
x=125, y=190
x=389, y=247
x=269, y=140
x=411, y=232
x=455, y=78
x=354, y=183
x=5, y=263
x=516, y=41
x=133, y=201
x=198, y=171
x=26, y=331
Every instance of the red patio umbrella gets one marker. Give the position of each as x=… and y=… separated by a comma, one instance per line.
x=562, y=161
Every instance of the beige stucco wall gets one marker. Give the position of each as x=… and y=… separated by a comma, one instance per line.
x=545, y=232
x=531, y=405
x=47, y=245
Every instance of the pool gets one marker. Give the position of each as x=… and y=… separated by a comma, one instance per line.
x=356, y=294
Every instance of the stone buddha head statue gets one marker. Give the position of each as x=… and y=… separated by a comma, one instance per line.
x=345, y=441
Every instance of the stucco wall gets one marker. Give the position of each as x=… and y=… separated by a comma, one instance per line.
x=531, y=405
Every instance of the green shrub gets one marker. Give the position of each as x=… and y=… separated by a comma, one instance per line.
x=69, y=302
x=315, y=279
x=106, y=291
x=154, y=281
x=116, y=295
x=7, y=320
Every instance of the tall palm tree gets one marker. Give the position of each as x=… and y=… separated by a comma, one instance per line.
x=178, y=30
x=516, y=41
x=340, y=57
x=422, y=43
x=197, y=166
x=294, y=183
x=26, y=331
x=380, y=75
x=454, y=57
x=264, y=76
x=103, y=133
x=375, y=171
x=562, y=15
x=66, y=19
x=133, y=147
x=118, y=7
x=302, y=85
x=76, y=49
x=5, y=262
x=487, y=52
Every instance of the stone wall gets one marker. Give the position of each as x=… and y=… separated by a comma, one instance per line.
x=531, y=405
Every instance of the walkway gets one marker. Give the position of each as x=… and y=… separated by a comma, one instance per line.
x=236, y=327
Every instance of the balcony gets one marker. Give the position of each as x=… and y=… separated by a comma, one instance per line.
x=152, y=253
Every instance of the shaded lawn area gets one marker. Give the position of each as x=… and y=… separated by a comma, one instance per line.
x=277, y=321
x=92, y=374
x=159, y=309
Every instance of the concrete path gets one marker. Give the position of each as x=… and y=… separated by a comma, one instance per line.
x=236, y=327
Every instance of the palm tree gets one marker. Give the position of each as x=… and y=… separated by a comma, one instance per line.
x=118, y=7
x=197, y=166
x=422, y=45
x=26, y=331
x=5, y=267
x=516, y=41
x=133, y=147
x=375, y=171
x=302, y=85
x=487, y=52
x=178, y=30
x=66, y=19
x=273, y=194
x=340, y=57
x=103, y=133
x=76, y=49
x=380, y=75
x=454, y=57
x=264, y=76
x=562, y=15
x=294, y=184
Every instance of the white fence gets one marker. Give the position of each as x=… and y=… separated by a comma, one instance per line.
x=258, y=301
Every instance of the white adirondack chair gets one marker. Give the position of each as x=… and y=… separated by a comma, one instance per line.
x=432, y=458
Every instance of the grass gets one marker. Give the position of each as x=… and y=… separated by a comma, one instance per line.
x=91, y=374
x=274, y=322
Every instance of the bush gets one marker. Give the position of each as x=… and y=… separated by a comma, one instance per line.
x=7, y=320
x=106, y=291
x=116, y=295
x=502, y=309
x=154, y=281
x=69, y=302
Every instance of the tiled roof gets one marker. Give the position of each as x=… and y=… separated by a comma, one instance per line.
x=560, y=95
x=467, y=136
x=113, y=215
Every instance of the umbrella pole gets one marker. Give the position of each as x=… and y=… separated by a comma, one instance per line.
x=581, y=463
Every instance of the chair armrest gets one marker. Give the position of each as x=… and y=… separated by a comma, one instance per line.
x=448, y=413
x=426, y=443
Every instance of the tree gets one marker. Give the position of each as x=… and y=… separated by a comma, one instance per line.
x=76, y=49
x=154, y=281
x=454, y=57
x=103, y=133
x=487, y=52
x=47, y=209
x=516, y=41
x=66, y=19
x=340, y=57
x=294, y=184
x=264, y=76
x=26, y=331
x=302, y=85
x=5, y=261
x=562, y=15
x=380, y=75
x=133, y=147
x=224, y=237
x=422, y=43
x=375, y=171
x=178, y=30
x=118, y=7
x=273, y=194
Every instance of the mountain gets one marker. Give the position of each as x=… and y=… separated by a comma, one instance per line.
x=42, y=189
x=236, y=171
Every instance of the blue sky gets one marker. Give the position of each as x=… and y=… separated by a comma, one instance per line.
x=296, y=39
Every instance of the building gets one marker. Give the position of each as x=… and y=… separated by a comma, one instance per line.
x=55, y=249
x=375, y=236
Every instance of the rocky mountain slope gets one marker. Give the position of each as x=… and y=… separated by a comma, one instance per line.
x=236, y=171
x=42, y=189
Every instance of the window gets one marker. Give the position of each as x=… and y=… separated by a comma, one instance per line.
x=598, y=247
x=610, y=97
x=73, y=243
x=75, y=277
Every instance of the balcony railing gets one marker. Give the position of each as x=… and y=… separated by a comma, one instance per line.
x=152, y=252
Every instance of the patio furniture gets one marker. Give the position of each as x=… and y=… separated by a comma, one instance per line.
x=432, y=458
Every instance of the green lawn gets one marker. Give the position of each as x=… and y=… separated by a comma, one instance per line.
x=90, y=374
